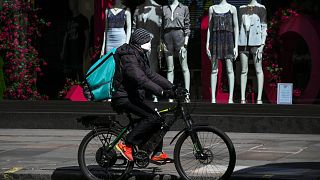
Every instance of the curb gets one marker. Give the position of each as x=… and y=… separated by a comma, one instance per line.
x=74, y=173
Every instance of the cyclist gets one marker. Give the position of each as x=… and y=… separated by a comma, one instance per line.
x=132, y=77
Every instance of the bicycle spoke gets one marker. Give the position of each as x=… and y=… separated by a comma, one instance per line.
x=211, y=163
x=96, y=161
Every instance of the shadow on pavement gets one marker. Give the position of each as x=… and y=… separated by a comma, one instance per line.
x=64, y=173
x=281, y=171
x=74, y=173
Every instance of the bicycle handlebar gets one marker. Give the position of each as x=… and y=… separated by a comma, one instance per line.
x=180, y=92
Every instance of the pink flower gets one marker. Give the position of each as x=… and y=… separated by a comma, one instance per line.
x=37, y=69
x=49, y=24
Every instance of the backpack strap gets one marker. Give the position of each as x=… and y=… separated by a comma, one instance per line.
x=106, y=58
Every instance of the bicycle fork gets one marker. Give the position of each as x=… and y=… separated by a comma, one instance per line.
x=199, y=151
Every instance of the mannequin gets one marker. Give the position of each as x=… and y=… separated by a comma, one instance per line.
x=75, y=43
x=176, y=27
x=253, y=33
x=222, y=42
x=148, y=17
x=117, y=18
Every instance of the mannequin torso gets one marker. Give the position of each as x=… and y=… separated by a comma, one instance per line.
x=176, y=32
x=117, y=18
x=223, y=22
x=149, y=11
x=173, y=7
x=148, y=17
x=117, y=7
x=253, y=33
x=255, y=3
x=253, y=24
x=223, y=8
x=150, y=6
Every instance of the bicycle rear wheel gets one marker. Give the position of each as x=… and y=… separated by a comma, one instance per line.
x=94, y=160
x=216, y=160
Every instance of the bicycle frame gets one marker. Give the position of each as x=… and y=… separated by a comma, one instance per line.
x=109, y=133
x=189, y=123
x=177, y=110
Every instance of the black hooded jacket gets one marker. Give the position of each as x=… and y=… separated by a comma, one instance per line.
x=133, y=74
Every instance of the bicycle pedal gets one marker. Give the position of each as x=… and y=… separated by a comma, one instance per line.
x=169, y=160
x=159, y=163
x=162, y=162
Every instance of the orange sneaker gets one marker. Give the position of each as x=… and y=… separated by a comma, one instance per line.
x=125, y=150
x=162, y=157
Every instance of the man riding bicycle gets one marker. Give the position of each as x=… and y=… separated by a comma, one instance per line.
x=132, y=77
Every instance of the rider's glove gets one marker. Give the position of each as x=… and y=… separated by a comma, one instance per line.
x=168, y=93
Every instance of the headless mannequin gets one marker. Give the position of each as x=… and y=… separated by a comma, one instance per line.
x=74, y=7
x=222, y=8
x=148, y=17
x=257, y=58
x=117, y=7
x=173, y=4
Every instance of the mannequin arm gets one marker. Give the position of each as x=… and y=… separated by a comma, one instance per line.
x=187, y=25
x=209, y=32
x=236, y=31
x=63, y=46
x=263, y=39
x=260, y=49
x=128, y=23
x=183, y=49
x=264, y=28
x=263, y=34
x=135, y=19
x=104, y=34
x=186, y=39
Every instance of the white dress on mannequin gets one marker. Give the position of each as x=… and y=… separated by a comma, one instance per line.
x=222, y=43
x=117, y=18
x=253, y=33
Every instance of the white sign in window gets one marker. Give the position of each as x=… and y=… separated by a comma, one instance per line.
x=284, y=94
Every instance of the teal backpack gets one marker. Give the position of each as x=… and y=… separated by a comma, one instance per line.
x=98, y=81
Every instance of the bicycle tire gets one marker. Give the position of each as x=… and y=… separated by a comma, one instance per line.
x=204, y=169
x=95, y=170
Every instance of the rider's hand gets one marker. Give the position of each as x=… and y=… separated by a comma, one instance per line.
x=168, y=93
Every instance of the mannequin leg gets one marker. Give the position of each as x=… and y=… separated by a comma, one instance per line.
x=185, y=70
x=214, y=74
x=153, y=61
x=170, y=70
x=170, y=65
x=230, y=79
x=244, y=76
x=260, y=78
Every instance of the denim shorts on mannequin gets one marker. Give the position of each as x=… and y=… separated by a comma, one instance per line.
x=174, y=40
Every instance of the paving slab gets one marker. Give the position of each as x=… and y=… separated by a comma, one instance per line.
x=52, y=154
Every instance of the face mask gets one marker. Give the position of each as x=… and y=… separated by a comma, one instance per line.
x=146, y=46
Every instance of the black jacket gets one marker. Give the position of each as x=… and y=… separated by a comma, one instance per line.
x=133, y=74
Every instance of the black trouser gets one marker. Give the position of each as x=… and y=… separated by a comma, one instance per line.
x=148, y=124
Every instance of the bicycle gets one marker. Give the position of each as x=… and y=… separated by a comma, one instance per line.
x=193, y=157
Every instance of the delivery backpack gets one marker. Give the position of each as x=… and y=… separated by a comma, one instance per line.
x=97, y=85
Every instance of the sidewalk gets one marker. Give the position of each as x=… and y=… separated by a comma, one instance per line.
x=52, y=154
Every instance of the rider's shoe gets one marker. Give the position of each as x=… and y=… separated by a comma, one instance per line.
x=125, y=150
x=161, y=157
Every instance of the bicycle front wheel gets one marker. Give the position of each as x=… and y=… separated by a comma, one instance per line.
x=214, y=159
x=97, y=162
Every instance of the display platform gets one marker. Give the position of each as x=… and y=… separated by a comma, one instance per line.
x=250, y=118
